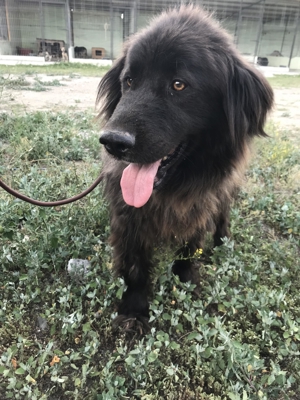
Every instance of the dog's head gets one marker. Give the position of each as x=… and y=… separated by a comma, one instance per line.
x=179, y=84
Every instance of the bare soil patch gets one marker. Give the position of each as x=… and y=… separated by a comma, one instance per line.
x=287, y=107
x=80, y=92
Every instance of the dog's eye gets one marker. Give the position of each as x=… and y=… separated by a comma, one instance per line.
x=178, y=85
x=128, y=80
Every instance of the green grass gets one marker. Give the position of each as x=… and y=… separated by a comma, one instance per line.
x=55, y=69
x=239, y=339
x=285, y=81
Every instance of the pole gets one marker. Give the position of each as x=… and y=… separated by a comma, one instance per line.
x=295, y=34
x=111, y=31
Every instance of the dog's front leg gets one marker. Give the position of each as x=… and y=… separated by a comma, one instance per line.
x=132, y=261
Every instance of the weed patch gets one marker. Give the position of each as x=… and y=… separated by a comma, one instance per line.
x=55, y=69
x=21, y=83
x=285, y=81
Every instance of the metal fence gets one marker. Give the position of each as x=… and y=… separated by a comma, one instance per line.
x=265, y=31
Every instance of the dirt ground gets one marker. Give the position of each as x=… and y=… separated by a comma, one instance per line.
x=80, y=93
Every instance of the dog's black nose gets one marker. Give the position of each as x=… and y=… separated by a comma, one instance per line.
x=117, y=143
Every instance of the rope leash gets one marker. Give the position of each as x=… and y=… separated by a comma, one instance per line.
x=51, y=203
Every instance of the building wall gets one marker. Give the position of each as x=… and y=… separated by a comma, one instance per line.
x=54, y=22
x=144, y=18
x=106, y=24
x=92, y=30
x=265, y=29
x=7, y=47
x=29, y=26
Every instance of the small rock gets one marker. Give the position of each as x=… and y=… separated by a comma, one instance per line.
x=42, y=323
x=78, y=268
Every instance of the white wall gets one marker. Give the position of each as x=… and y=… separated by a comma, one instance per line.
x=8, y=47
x=93, y=29
x=274, y=37
x=55, y=22
x=29, y=25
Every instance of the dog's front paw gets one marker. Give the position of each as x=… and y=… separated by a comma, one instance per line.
x=132, y=324
x=133, y=313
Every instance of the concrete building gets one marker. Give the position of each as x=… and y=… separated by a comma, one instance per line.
x=266, y=32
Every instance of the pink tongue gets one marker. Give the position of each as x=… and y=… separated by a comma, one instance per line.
x=137, y=183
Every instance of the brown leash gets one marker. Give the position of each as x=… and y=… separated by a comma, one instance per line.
x=51, y=203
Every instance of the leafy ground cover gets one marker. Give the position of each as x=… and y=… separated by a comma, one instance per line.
x=238, y=339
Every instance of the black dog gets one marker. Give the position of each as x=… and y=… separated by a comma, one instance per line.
x=180, y=108
x=80, y=52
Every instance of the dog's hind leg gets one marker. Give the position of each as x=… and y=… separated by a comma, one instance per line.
x=222, y=227
x=184, y=267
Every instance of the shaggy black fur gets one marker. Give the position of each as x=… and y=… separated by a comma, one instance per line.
x=180, y=90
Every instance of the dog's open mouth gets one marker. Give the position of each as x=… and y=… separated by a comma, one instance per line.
x=166, y=163
x=139, y=180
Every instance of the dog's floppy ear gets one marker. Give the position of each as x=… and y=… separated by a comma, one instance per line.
x=249, y=98
x=109, y=89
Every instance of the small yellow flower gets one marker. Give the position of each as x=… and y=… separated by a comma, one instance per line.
x=198, y=252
